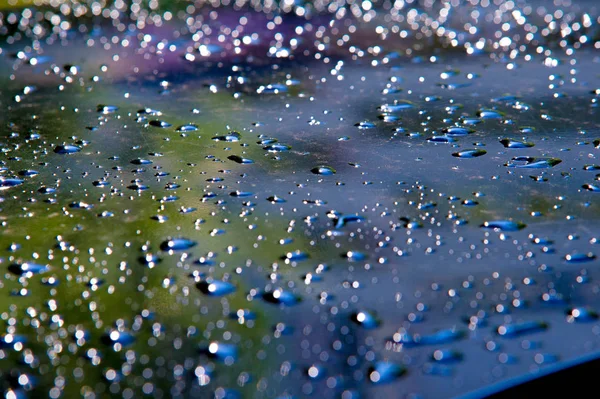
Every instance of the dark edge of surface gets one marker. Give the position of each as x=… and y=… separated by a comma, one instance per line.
x=576, y=378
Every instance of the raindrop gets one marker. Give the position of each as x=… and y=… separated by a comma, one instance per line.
x=533, y=163
x=580, y=257
x=215, y=287
x=177, y=244
x=457, y=131
x=509, y=143
x=280, y=296
x=66, y=149
x=518, y=329
x=323, y=170
x=385, y=372
x=472, y=153
x=366, y=319
x=581, y=314
x=229, y=137
x=504, y=225
x=6, y=183
x=159, y=123
x=187, y=128
x=240, y=160
x=27, y=269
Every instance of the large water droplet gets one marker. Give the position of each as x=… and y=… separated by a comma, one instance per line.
x=216, y=287
x=66, y=149
x=177, y=244
x=504, y=225
x=323, y=170
x=471, y=153
x=517, y=329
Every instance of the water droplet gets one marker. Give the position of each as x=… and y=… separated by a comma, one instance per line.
x=437, y=338
x=395, y=106
x=66, y=149
x=457, y=131
x=277, y=147
x=580, y=257
x=221, y=351
x=187, y=128
x=122, y=338
x=489, y=114
x=504, y=225
x=27, y=269
x=447, y=356
x=216, y=287
x=107, y=109
x=177, y=244
x=471, y=153
x=591, y=187
x=295, y=256
x=385, y=372
x=229, y=137
x=441, y=139
x=160, y=124
x=518, y=329
x=365, y=125
x=366, y=319
x=280, y=296
x=581, y=314
x=533, y=163
x=510, y=143
x=275, y=199
x=141, y=161
x=6, y=183
x=323, y=170
x=354, y=256
x=240, y=160
x=343, y=220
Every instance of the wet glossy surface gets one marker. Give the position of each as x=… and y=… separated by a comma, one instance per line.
x=313, y=202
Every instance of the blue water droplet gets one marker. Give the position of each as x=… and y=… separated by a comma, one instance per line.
x=66, y=149
x=221, y=351
x=187, y=128
x=518, y=329
x=343, y=220
x=591, y=187
x=441, y=139
x=470, y=153
x=455, y=131
x=177, y=244
x=447, y=356
x=118, y=337
x=240, y=160
x=504, y=225
x=323, y=170
x=354, y=256
x=581, y=314
x=580, y=257
x=280, y=296
x=510, y=143
x=27, y=269
x=160, y=124
x=6, y=183
x=229, y=137
x=385, y=372
x=215, y=287
x=533, y=162
x=366, y=319
x=365, y=125
x=141, y=161
x=277, y=147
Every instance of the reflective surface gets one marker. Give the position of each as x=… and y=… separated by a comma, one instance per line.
x=242, y=203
